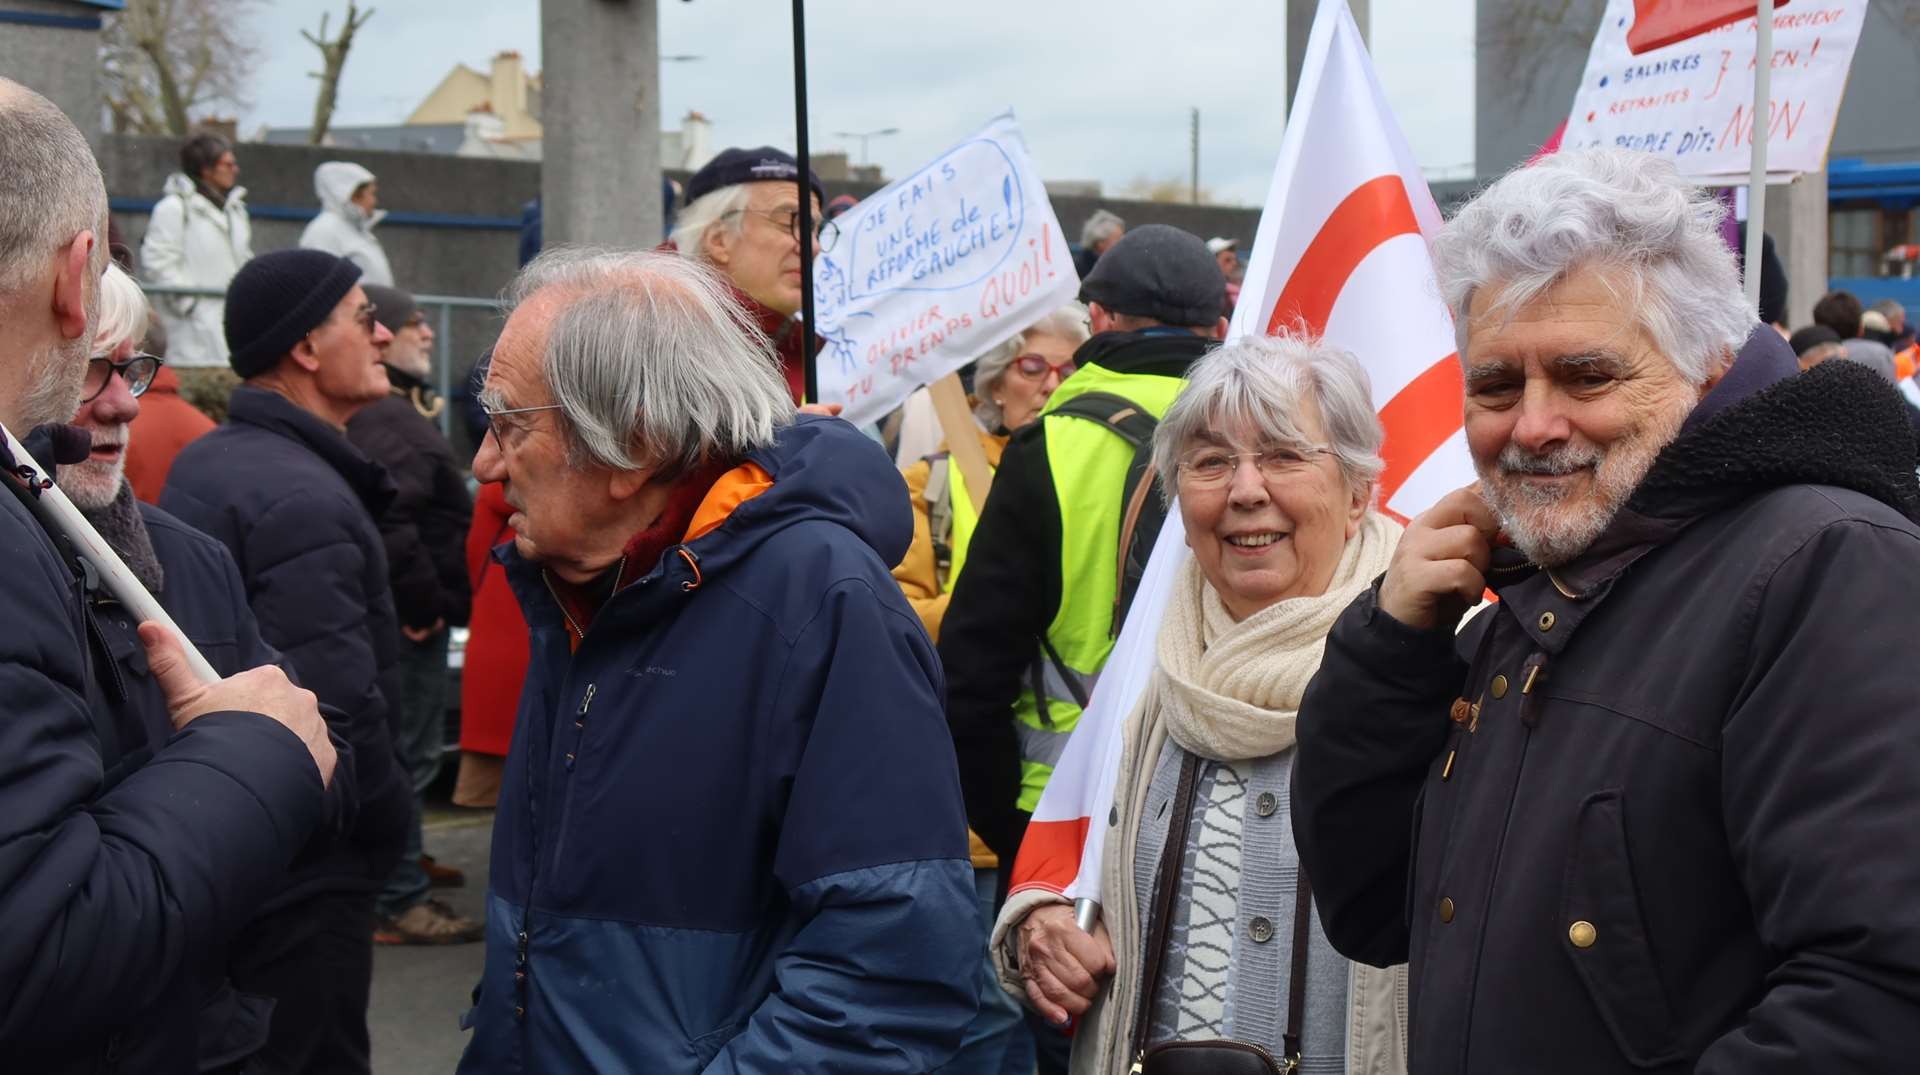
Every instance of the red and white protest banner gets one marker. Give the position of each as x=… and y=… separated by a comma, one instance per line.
x=1341, y=253
x=1692, y=100
x=1659, y=23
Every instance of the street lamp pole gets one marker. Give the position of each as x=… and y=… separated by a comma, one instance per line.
x=864, y=137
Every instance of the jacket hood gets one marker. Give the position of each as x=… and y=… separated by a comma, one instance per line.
x=334, y=183
x=180, y=185
x=1838, y=423
x=823, y=470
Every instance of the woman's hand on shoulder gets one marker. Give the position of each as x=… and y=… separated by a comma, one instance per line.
x=1064, y=965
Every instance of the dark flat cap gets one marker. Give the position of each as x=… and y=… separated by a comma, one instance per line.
x=1159, y=272
x=392, y=307
x=735, y=166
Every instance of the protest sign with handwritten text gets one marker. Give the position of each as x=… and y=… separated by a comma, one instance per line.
x=935, y=269
x=1692, y=101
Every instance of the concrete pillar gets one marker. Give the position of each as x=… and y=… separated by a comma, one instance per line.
x=600, y=172
x=53, y=48
x=1797, y=220
x=1299, y=25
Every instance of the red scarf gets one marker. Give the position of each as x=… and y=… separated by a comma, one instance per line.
x=582, y=601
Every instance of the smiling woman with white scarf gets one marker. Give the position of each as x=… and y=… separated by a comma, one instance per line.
x=1273, y=450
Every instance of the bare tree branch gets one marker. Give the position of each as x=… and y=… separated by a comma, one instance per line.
x=333, y=54
x=167, y=63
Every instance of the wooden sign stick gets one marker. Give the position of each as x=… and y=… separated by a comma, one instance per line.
x=963, y=437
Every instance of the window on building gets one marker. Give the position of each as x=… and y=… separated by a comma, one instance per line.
x=1853, y=242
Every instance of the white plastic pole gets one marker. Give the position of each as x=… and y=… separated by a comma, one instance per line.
x=58, y=514
x=1762, y=119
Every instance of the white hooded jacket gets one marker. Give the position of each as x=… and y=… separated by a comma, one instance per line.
x=191, y=242
x=343, y=228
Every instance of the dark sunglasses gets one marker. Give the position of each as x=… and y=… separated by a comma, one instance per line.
x=137, y=371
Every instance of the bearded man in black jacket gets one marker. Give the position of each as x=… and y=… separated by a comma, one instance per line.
x=124, y=868
x=1653, y=810
x=425, y=531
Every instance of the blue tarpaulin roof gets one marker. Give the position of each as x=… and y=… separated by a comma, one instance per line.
x=1895, y=186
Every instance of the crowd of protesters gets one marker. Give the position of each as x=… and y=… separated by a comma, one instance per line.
x=763, y=702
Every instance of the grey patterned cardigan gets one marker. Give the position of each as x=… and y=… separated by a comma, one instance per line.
x=1376, y=999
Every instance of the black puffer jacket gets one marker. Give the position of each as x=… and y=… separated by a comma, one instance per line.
x=425, y=527
x=294, y=502
x=118, y=896
x=1676, y=834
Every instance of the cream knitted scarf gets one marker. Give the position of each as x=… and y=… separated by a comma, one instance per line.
x=1231, y=691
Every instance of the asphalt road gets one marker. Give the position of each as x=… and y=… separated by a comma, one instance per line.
x=419, y=993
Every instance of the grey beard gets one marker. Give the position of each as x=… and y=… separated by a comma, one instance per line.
x=1617, y=472
x=125, y=529
x=53, y=392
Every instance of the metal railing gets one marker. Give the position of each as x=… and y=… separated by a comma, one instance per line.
x=442, y=340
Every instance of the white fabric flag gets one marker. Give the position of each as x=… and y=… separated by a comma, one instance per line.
x=1341, y=252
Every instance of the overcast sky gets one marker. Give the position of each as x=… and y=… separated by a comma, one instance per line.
x=1102, y=90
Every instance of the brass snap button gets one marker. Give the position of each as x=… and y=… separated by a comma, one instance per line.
x=1546, y=621
x=1582, y=934
x=1446, y=909
x=1260, y=929
x=1499, y=686
x=1266, y=804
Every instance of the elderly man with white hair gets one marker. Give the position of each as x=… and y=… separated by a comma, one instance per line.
x=743, y=221
x=1653, y=810
x=730, y=835
x=125, y=867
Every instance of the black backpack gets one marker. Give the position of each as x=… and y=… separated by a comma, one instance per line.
x=1143, y=509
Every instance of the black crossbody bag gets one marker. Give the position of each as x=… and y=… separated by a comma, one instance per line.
x=1221, y=1057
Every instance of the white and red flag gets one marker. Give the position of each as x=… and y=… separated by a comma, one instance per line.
x=1659, y=23
x=1341, y=253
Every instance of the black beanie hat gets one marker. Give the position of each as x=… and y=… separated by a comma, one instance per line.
x=1159, y=272
x=277, y=298
x=762, y=165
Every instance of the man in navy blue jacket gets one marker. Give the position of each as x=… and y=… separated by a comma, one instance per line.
x=119, y=878
x=294, y=501
x=730, y=835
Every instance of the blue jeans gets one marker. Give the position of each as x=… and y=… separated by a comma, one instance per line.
x=423, y=732
x=997, y=1041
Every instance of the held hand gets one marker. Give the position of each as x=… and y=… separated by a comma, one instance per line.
x=825, y=410
x=1439, y=569
x=265, y=690
x=421, y=634
x=1063, y=964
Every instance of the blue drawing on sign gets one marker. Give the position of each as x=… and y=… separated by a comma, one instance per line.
x=830, y=291
x=909, y=246
x=842, y=345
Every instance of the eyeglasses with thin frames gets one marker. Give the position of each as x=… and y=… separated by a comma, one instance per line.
x=138, y=371
x=788, y=220
x=1210, y=468
x=496, y=428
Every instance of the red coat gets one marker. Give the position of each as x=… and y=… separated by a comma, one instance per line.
x=166, y=424
x=496, y=658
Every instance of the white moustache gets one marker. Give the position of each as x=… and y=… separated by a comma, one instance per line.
x=1557, y=463
x=114, y=436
